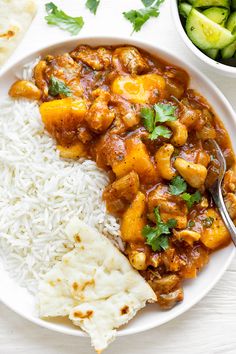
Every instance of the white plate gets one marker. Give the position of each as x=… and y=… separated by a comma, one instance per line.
x=22, y=302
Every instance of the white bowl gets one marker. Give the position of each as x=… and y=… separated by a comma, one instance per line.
x=22, y=302
x=220, y=68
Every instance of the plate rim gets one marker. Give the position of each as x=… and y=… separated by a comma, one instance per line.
x=117, y=40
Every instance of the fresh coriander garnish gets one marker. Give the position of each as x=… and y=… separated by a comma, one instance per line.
x=207, y=222
x=59, y=18
x=139, y=17
x=92, y=5
x=159, y=113
x=191, y=199
x=157, y=236
x=177, y=185
x=57, y=87
x=191, y=223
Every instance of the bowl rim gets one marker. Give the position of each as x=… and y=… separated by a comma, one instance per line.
x=188, y=67
x=213, y=63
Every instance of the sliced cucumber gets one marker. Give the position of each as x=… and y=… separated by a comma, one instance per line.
x=228, y=51
x=205, y=33
x=208, y=3
x=212, y=53
x=231, y=23
x=217, y=15
x=184, y=9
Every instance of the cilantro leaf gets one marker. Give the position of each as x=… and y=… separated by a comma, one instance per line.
x=191, y=223
x=92, y=5
x=165, y=112
x=57, y=86
x=156, y=237
x=160, y=131
x=177, y=185
x=148, y=3
x=207, y=222
x=191, y=199
x=148, y=118
x=59, y=18
x=139, y=17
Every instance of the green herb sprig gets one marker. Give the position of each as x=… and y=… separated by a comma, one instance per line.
x=65, y=22
x=57, y=87
x=157, y=236
x=178, y=186
x=159, y=113
x=92, y=5
x=139, y=17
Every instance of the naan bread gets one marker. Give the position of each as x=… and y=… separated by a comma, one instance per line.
x=94, y=285
x=15, y=18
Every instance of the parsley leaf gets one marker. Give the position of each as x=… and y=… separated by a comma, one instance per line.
x=59, y=18
x=148, y=118
x=159, y=113
x=160, y=131
x=165, y=112
x=208, y=222
x=92, y=5
x=139, y=17
x=177, y=185
x=57, y=86
x=157, y=236
x=191, y=199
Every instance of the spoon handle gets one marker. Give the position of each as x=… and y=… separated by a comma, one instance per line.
x=219, y=201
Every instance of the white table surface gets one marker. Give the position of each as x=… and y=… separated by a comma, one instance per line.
x=210, y=326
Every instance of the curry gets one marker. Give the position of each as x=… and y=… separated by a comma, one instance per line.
x=136, y=116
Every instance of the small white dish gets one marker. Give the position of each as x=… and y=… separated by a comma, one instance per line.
x=22, y=302
x=223, y=69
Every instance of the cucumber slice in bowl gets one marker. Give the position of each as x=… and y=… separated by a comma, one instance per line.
x=229, y=50
x=217, y=14
x=205, y=33
x=184, y=9
x=208, y=3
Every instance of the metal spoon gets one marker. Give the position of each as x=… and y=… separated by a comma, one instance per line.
x=216, y=192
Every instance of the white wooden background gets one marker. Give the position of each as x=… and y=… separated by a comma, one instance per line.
x=210, y=326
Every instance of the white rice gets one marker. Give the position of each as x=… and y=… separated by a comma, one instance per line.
x=40, y=193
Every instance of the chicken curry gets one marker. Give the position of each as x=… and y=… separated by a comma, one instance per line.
x=136, y=116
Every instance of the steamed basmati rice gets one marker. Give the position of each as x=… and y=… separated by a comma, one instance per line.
x=40, y=193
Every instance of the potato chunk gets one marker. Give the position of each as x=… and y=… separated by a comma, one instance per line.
x=194, y=174
x=72, y=152
x=216, y=235
x=134, y=220
x=137, y=159
x=62, y=117
x=140, y=89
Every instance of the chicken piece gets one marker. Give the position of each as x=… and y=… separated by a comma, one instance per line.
x=216, y=235
x=61, y=67
x=72, y=152
x=205, y=126
x=229, y=182
x=109, y=151
x=25, y=89
x=170, y=206
x=136, y=159
x=203, y=158
x=121, y=192
x=100, y=116
x=126, y=111
x=163, y=161
x=97, y=59
x=167, y=301
x=194, y=174
x=196, y=257
x=188, y=236
x=62, y=118
x=189, y=116
x=176, y=82
x=141, y=89
x=230, y=202
x=130, y=60
x=134, y=220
